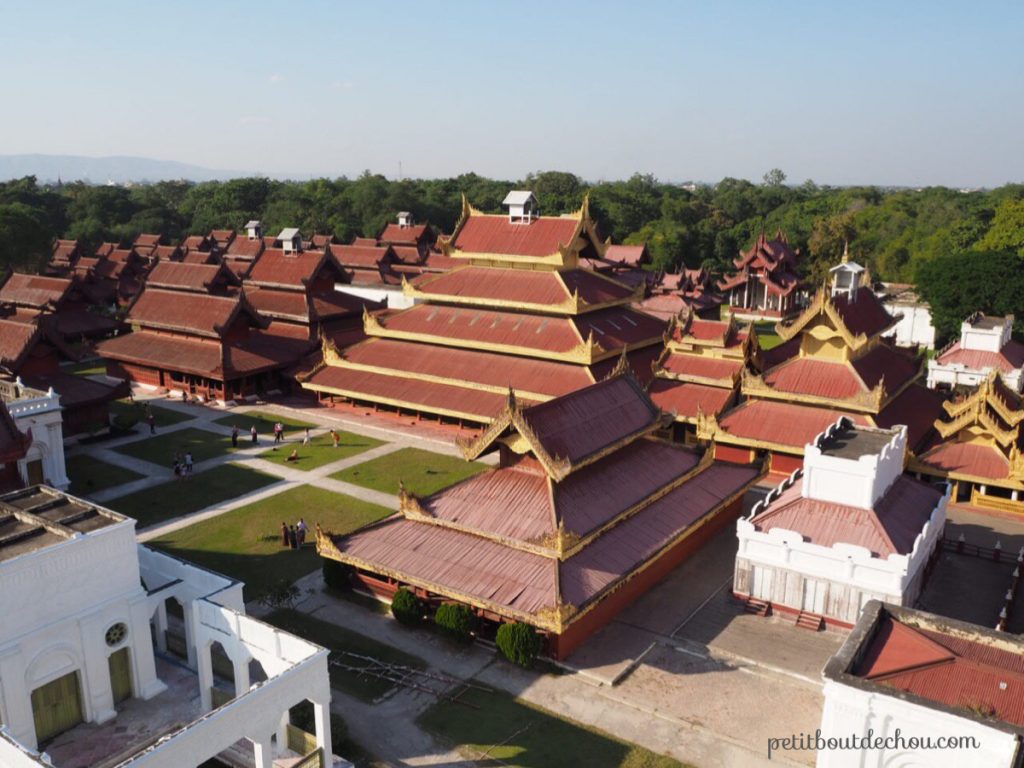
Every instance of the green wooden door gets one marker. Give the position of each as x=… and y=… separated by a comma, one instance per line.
x=56, y=707
x=120, y=675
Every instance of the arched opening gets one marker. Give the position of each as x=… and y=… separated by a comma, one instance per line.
x=174, y=635
x=57, y=707
x=300, y=733
x=256, y=672
x=223, y=675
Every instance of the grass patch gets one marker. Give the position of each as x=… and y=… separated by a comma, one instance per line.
x=160, y=449
x=766, y=335
x=337, y=639
x=320, y=451
x=165, y=417
x=264, y=422
x=245, y=543
x=423, y=472
x=530, y=736
x=94, y=367
x=89, y=475
x=182, y=497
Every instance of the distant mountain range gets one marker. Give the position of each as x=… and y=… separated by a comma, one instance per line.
x=101, y=170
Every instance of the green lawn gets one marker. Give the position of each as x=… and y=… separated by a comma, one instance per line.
x=92, y=367
x=338, y=639
x=175, y=498
x=246, y=542
x=529, y=736
x=89, y=475
x=423, y=472
x=161, y=448
x=766, y=335
x=264, y=422
x=321, y=450
x=165, y=417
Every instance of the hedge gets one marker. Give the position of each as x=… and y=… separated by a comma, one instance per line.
x=456, y=621
x=406, y=607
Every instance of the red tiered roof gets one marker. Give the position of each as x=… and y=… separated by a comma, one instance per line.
x=863, y=312
x=399, y=235
x=977, y=459
x=190, y=277
x=483, y=233
x=191, y=313
x=34, y=291
x=702, y=366
x=523, y=286
x=890, y=528
x=279, y=268
x=685, y=398
x=786, y=424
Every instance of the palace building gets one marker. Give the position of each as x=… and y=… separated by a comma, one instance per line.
x=847, y=528
x=833, y=361
x=517, y=312
x=978, y=447
x=765, y=284
x=584, y=512
x=688, y=291
x=212, y=347
x=699, y=372
x=58, y=302
x=985, y=345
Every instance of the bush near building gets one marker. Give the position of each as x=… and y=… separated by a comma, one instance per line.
x=519, y=643
x=406, y=607
x=456, y=621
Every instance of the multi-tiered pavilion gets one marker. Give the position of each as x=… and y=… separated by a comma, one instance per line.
x=834, y=361
x=517, y=311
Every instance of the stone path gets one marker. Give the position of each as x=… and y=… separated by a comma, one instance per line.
x=249, y=456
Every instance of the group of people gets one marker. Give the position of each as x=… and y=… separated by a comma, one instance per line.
x=183, y=464
x=253, y=434
x=294, y=536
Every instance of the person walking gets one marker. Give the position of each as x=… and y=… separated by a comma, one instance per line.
x=234, y=436
x=284, y=534
x=289, y=536
x=151, y=420
x=336, y=438
x=255, y=435
x=278, y=433
x=302, y=528
x=188, y=462
x=305, y=439
x=295, y=538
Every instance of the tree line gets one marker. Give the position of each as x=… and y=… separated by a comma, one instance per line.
x=900, y=234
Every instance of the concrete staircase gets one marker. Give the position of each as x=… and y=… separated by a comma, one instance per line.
x=811, y=621
x=757, y=607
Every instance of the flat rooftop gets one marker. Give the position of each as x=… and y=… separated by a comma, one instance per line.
x=988, y=323
x=854, y=442
x=35, y=518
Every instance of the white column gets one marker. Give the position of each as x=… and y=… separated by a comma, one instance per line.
x=161, y=627
x=282, y=733
x=188, y=611
x=1015, y=495
x=263, y=753
x=241, y=669
x=57, y=471
x=322, y=718
x=205, y=669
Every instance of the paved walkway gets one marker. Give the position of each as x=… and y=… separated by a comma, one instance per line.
x=678, y=703
x=250, y=456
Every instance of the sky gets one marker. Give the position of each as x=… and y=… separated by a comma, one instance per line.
x=899, y=92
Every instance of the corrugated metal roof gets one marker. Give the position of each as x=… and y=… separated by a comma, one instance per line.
x=590, y=420
x=1009, y=358
x=516, y=285
x=968, y=459
x=483, y=233
x=703, y=366
x=195, y=277
x=864, y=313
x=510, y=502
x=782, y=423
x=198, y=313
x=953, y=671
x=820, y=378
x=399, y=235
x=890, y=528
x=686, y=398
x=490, y=368
x=34, y=290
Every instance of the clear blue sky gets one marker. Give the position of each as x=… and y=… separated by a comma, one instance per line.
x=890, y=92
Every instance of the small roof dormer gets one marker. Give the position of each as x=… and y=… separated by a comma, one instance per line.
x=290, y=239
x=522, y=206
x=254, y=229
x=846, y=276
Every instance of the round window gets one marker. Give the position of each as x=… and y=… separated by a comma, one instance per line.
x=117, y=633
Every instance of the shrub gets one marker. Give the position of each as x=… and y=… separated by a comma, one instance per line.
x=457, y=621
x=406, y=607
x=519, y=643
x=337, y=575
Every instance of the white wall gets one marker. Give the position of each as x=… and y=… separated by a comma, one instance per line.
x=856, y=482
x=42, y=415
x=850, y=711
x=957, y=374
x=915, y=326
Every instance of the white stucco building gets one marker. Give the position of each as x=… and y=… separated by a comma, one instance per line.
x=848, y=528
x=38, y=413
x=985, y=344
x=912, y=689
x=915, y=326
x=88, y=676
